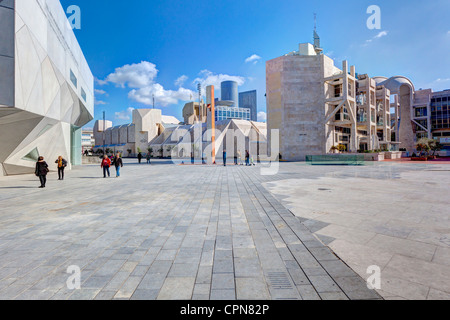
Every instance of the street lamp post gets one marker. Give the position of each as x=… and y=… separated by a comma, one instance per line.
x=104, y=133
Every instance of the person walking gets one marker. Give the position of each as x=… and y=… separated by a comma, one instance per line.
x=203, y=158
x=62, y=164
x=252, y=162
x=106, y=164
x=118, y=163
x=42, y=171
x=149, y=157
x=239, y=156
x=224, y=157
x=139, y=157
x=247, y=158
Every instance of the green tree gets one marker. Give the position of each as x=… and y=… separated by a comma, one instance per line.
x=423, y=145
x=341, y=148
x=435, y=146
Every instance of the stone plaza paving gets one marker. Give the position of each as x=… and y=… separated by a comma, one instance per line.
x=167, y=231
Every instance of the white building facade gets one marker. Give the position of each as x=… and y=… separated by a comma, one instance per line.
x=46, y=86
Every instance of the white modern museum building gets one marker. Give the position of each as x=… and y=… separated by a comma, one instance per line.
x=46, y=86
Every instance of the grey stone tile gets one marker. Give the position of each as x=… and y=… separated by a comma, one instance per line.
x=324, y=284
x=307, y=292
x=333, y=296
x=145, y=295
x=252, y=289
x=223, y=266
x=96, y=282
x=105, y=295
x=222, y=281
x=84, y=294
x=183, y=270
x=223, y=294
x=337, y=268
x=177, y=289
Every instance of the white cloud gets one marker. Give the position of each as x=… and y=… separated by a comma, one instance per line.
x=99, y=102
x=381, y=34
x=253, y=58
x=181, y=80
x=208, y=78
x=378, y=36
x=138, y=75
x=101, y=92
x=163, y=97
x=124, y=115
x=141, y=78
x=262, y=116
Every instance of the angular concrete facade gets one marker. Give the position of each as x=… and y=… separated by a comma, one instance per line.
x=147, y=125
x=46, y=86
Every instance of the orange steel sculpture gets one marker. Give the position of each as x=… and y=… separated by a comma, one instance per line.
x=212, y=108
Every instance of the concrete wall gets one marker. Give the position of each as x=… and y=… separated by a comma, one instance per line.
x=407, y=137
x=295, y=97
x=99, y=127
x=146, y=123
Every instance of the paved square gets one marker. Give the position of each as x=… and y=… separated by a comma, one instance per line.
x=198, y=232
x=392, y=215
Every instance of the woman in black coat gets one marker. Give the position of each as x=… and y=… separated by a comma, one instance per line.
x=41, y=171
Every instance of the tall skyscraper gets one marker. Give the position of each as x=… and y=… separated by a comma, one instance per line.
x=248, y=100
x=229, y=92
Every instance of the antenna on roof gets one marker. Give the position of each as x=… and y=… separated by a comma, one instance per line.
x=316, y=37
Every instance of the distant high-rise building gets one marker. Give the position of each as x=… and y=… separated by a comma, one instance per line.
x=248, y=100
x=229, y=92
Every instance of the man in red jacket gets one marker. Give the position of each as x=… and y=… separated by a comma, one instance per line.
x=106, y=164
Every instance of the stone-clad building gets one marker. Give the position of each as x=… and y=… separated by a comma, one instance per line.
x=317, y=106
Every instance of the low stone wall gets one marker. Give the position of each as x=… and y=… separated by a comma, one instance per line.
x=91, y=160
x=393, y=155
x=374, y=156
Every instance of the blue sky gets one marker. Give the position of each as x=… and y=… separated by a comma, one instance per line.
x=142, y=47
